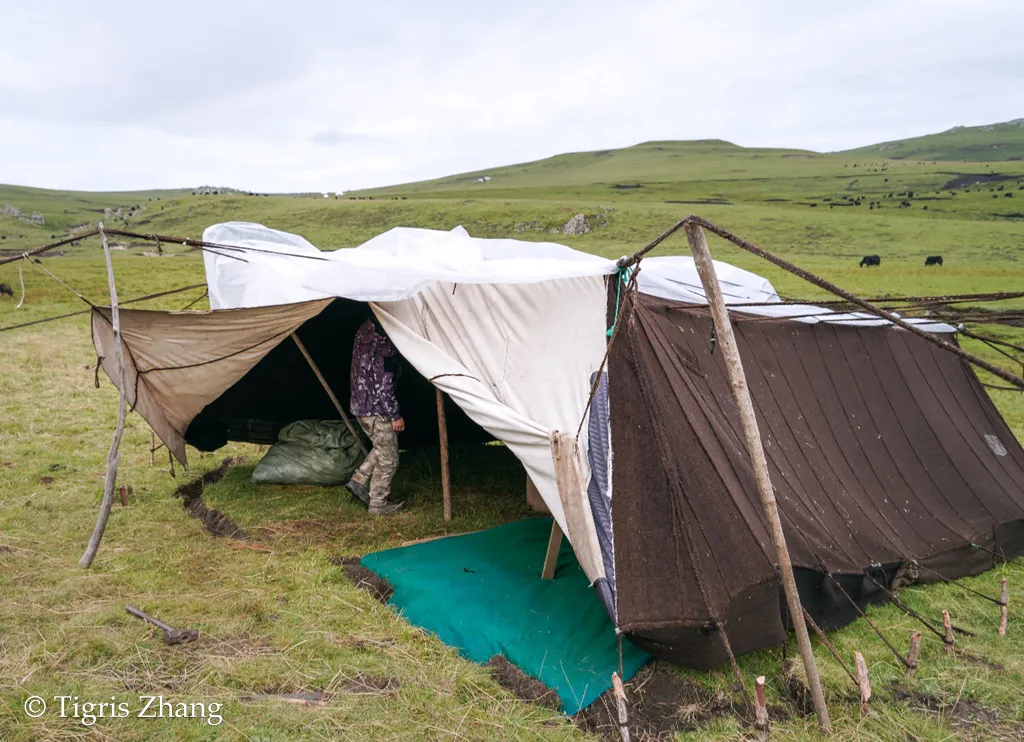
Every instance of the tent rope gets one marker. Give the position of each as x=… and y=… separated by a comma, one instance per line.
x=871, y=623
x=87, y=311
x=907, y=609
x=827, y=286
x=58, y=280
x=630, y=293
x=735, y=667
x=959, y=585
x=827, y=643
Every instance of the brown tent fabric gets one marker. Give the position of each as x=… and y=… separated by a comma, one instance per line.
x=883, y=450
x=176, y=363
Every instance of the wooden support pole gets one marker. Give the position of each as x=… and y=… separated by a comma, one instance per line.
x=738, y=382
x=330, y=393
x=865, y=683
x=446, y=477
x=114, y=454
x=152, y=448
x=760, y=710
x=949, y=631
x=1004, y=598
x=620, y=705
x=915, y=649
x=551, y=558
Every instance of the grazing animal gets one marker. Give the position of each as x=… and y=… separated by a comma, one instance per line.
x=933, y=260
x=5, y=289
x=869, y=260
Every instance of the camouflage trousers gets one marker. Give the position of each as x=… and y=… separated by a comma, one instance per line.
x=379, y=467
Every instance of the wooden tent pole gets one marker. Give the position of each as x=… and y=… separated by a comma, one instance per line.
x=738, y=382
x=330, y=393
x=446, y=477
x=551, y=557
x=113, y=455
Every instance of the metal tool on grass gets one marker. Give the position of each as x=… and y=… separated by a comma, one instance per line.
x=170, y=635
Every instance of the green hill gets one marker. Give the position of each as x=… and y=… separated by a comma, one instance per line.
x=990, y=143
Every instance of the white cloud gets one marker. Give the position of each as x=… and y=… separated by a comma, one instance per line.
x=328, y=95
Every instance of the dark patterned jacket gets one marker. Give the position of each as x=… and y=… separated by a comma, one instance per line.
x=374, y=359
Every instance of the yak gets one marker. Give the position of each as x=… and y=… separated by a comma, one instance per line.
x=869, y=260
x=933, y=260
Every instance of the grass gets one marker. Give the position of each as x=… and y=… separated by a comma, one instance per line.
x=280, y=617
x=981, y=143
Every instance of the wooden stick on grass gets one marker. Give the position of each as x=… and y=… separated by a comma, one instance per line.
x=113, y=455
x=1004, y=598
x=915, y=648
x=949, y=631
x=865, y=683
x=760, y=710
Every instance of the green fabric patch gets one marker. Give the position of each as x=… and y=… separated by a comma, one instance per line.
x=482, y=594
x=320, y=452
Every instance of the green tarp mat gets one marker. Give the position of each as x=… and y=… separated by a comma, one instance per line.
x=482, y=594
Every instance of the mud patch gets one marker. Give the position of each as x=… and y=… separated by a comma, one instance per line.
x=363, y=578
x=964, y=715
x=191, y=495
x=365, y=685
x=46, y=480
x=512, y=679
x=965, y=180
x=661, y=703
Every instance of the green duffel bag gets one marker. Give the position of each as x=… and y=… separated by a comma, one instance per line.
x=320, y=452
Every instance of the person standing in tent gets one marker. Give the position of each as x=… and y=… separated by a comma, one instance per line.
x=375, y=368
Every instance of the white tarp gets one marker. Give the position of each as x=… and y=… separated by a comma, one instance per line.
x=400, y=262
x=675, y=277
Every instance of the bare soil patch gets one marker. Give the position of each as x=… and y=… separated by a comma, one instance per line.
x=661, y=703
x=511, y=678
x=363, y=578
x=191, y=495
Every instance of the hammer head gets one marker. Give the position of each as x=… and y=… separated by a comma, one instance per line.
x=180, y=636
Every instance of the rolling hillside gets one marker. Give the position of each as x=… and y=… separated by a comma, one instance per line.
x=990, y=143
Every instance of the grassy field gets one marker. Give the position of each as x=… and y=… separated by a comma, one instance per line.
x=278, y=617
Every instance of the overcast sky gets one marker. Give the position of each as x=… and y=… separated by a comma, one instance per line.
x=334, y=94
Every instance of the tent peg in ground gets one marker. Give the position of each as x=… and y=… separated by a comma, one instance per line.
x=864, y=682
x=620, y=704
x=915, y=649
x=760, y=710
x=1004, y=599
x=949, y=631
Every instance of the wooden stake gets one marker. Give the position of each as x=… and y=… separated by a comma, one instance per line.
x=446, y=477
x=949, y=631
x=761, y=710
x=114, y=454
x=864, y=682
x=620, y=703
x=738, y=382
x=330, y=393
x=915, y=648
x=1004, y=598
x=551, y=558
x=123, y=492
x=152, y=448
